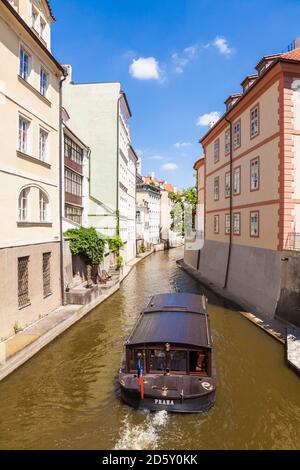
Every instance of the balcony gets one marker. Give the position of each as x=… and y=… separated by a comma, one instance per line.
x=293, y=241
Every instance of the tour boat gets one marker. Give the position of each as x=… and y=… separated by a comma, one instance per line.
x=169, y=360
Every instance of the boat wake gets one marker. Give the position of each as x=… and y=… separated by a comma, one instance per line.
x=142, y=436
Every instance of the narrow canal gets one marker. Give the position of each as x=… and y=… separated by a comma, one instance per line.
x=67, y=398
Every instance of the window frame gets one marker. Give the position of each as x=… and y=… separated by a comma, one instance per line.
x=216, y=226
x=256, y=106
x=217, y=179
x=25, y=149
x=239, y=169
x=227, y=132
x=23, y=208
x=43, y=207
x=217, y=150
x=46, y=153
x=21, y=69
x=226, y=174
x=250, y=226
x=258, y=179
x=235, y=147
x=44, y=72
x=227, y=226
x=23, y=286
x=238, y=213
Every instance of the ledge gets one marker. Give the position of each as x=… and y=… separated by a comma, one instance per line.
x=31, y=159
x=34, y=90
x=34, y=224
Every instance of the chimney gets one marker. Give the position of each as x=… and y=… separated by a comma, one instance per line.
x=68, y=69
x=153, y=175
x=297, y=42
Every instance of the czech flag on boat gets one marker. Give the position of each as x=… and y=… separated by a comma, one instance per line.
x=141, y=379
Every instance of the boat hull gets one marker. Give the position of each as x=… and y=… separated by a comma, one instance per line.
x=197, y=404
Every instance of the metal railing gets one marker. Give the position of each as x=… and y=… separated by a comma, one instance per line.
x=293, y=241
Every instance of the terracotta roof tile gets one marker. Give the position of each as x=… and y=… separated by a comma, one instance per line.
x=293, y=55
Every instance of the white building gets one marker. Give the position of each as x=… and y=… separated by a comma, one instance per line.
x=148, y=197
x=99, y=113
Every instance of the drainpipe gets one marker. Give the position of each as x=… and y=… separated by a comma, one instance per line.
x=61, y=189
x=230, y=207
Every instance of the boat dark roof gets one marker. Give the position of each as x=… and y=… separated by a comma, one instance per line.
x=175, y=319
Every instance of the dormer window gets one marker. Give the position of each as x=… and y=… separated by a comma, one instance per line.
x=34, y=17
x=42, y=28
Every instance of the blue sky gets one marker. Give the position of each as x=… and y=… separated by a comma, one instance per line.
x=177, y=60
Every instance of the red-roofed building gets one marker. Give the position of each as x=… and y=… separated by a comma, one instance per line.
x=249, y=184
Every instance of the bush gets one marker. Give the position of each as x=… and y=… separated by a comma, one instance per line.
x=119, y=261
x=87, y=243
x=115, y=243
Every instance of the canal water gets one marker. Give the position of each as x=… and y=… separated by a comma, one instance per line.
x=67, y=396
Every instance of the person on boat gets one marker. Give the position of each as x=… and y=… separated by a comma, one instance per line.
x=200, y=367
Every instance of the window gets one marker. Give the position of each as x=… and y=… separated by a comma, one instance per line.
x=237, y=181
x=254, y=121
x=217, y=150
x=178, y=361
x=227, y=184
x=227, y=142
x=216, y=224
x=43, y=82
x=157, y=360
x=216, y=188
x=73, y=151
x=24, y=64
x=23, y=205
x=237, y=135
x=254, y=224
x=23, y=292
x=73, y=183
x=138, y=217
x=34, y=17
x=227, y=224
x=73, y=213
x=236, y=223
x=254, y=174
x=23, y=135
x=44, y=203
x=46, y=274
x=43, y=145
x=42, y=28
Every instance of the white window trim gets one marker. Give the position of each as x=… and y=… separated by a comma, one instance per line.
x=28, y=135
x=26, y=50
x=46, y=156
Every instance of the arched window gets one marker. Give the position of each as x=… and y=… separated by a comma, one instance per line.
x=23, y=205
x=44, y=207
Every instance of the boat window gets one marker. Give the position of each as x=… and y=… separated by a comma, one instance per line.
x=198, y=362
x=157, y=360
x=178, y=361
x=135, y=356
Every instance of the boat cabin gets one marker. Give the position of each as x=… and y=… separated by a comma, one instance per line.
x=172, y=336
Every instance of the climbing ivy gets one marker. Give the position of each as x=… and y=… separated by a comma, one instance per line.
x=115, y=243
x=87, y=243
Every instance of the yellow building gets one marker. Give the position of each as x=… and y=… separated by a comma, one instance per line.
x=30, y=82
x=249, y=182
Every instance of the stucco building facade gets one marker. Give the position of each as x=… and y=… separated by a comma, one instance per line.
x=29, y=166
x=249, y=183
x=99, y=113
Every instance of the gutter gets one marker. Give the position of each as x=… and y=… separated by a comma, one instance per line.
x=230, y=206
x=61, y=189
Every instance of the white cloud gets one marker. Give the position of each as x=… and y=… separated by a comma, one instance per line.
x=208, y=119
x=182, y=144
x=180, y=60
x=139, y=152
x=222, y=45
x=169, y=166
x=156, y=157
x=145, y=68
